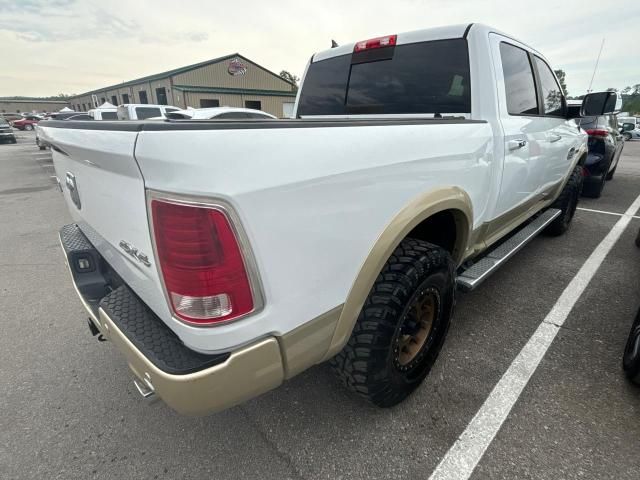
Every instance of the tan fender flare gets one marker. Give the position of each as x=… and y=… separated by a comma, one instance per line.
x=418, y=210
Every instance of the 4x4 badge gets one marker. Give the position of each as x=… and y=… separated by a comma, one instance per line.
x=133, y=251
x=72, y=186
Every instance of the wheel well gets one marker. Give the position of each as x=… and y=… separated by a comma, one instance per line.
x=442, y=229
x=583, y=159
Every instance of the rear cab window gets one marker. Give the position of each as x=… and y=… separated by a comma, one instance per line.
x=109, y=115
x=417, y=78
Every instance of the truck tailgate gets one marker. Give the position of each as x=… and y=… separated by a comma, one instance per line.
x=105, y=193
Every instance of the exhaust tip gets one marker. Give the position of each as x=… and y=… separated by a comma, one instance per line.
x=145, y=388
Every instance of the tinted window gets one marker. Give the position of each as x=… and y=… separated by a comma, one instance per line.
x=171, y=109
x=231, y=115
x=209, y=102
x=520, y=88
x=325, y=86
x=176, y=116
x=426, y=77
x=255, y=104
x=147, y=112
x=551, y=92
x=258, y=115
x=109, y=116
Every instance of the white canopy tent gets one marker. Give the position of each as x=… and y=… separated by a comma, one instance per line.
x=66, y=109
x=107, y=105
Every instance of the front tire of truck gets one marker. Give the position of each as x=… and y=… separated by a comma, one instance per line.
x=567, y=203
x=402, y=325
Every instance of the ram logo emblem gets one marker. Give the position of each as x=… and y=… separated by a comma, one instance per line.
x=135, y=253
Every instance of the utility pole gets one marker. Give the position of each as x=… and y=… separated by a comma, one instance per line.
x=596, y=67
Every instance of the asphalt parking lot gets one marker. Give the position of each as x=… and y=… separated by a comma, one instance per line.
x=68, y=408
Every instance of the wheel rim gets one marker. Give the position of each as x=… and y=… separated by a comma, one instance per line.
x=416, y=330
x=632, y=349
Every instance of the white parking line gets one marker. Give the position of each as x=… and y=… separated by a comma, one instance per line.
x=603, y=211
x=464, y=455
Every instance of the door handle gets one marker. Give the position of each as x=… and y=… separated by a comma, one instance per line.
x=516, y=144
x=554, y=137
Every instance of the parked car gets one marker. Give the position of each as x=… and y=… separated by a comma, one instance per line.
x=6, y=132
x=634, y=120
x=80, y=116
x=631, y=356
x=143, y=111
x=10, y=117
x=26, y=123
x=224, y=257
x=61, y=115
x=605, y=148
x=219, y=113
x=630, y=131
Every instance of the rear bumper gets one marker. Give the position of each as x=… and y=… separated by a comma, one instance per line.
x=187, y=381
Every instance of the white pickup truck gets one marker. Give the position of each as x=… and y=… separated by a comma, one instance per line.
x=223, y=257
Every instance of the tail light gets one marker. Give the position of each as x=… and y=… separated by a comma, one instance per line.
x=379, y=42
x=201, y=262
x=597, y=132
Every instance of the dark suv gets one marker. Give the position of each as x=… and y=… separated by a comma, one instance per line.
x=605, y=148
x=6, y=132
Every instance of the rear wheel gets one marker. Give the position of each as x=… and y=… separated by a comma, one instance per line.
x=594, y=185
x=402, y=325
x=612, y=172
x=631, y=357
x=566, y=203
x=28, y=127
x=627, y=136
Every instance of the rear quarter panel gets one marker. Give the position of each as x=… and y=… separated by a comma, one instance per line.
x=313, y=201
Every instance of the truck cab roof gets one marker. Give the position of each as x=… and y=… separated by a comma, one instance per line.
x=423, y=35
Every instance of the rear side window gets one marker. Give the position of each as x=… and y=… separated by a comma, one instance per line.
x=520, y=87
x=109, y=116
x=551, y=91
x=427, y=77
x=147, y=112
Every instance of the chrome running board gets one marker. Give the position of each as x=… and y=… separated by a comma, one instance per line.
x=480, y=270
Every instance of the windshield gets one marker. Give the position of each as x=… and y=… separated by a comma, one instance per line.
x=427, y=77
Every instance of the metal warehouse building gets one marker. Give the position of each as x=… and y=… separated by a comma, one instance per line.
x=232, y=80
x=21, y=105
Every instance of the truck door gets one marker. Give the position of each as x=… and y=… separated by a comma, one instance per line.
x=562, y=135
x=525, y=131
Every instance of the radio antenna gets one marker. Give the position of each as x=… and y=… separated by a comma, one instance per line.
x=596, y=67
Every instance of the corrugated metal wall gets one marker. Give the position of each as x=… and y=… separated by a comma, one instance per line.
x=214, y=76
x=217, y=75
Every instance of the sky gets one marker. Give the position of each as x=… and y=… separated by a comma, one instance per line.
x=73, y=46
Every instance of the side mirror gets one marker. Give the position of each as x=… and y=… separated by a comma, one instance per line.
x=600, y=103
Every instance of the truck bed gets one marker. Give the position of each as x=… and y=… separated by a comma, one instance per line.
x=321, y=189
